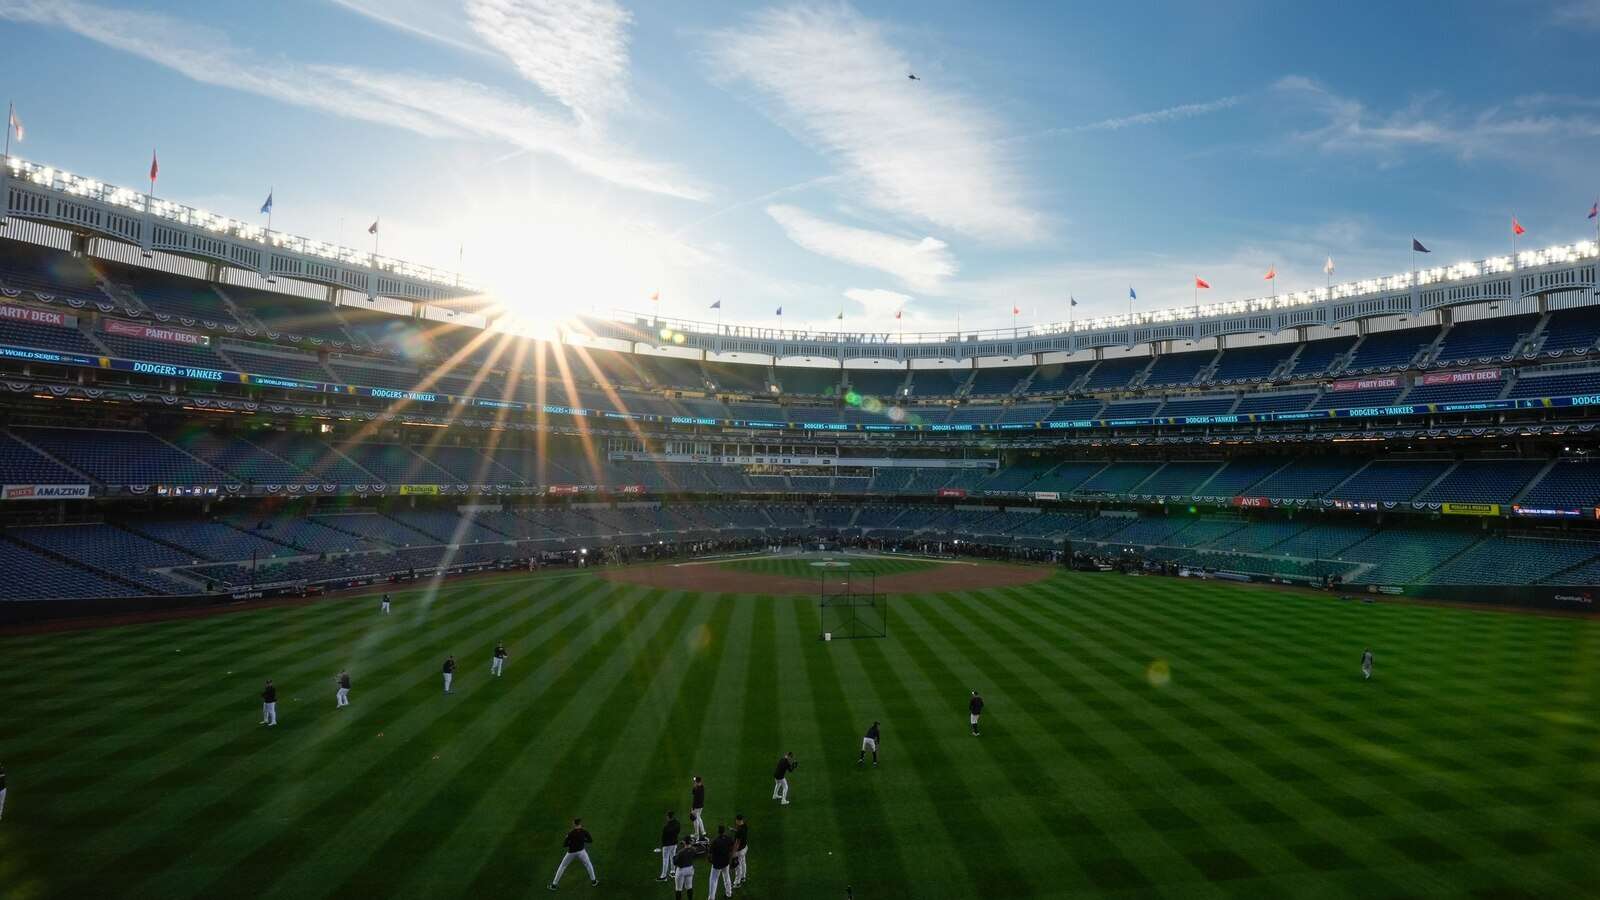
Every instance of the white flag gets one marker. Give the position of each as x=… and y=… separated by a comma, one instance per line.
x=1327, y=267
x=16, y=124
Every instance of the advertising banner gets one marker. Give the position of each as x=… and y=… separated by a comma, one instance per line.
x=1547, y=512
x=1474, y=377
x=45, y=492
x=1252, y=502
x=561, y=490
x=155, y=333
x=1470, y=509
x=630, y=489
x=1047, y=495
x=951, y=492
x=420, y=490
x=1366, y=384
x=31, y=316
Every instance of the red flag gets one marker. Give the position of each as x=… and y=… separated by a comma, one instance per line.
x=898, y=313
x=655, y=296
x=1516, y=227
x=1015, y=311
x=1201, y=283
x=1272, y=274
x=155, y=166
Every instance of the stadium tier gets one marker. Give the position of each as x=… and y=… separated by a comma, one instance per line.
x=165, y=434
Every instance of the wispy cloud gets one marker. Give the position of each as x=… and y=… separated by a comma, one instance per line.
x=436, y=107
x=434, y=20
x=1154, y=117
x=1345, y=124
x=922, y=265
x=919, y=150
x=574, y=50
x=1581, y=13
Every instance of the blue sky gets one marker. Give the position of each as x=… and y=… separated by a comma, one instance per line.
x=589, y=152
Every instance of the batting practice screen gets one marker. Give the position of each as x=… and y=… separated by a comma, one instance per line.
x=851, y=607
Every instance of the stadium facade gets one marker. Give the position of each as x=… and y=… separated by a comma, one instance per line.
x=194, y=405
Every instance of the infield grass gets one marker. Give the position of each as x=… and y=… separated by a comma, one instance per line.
x=1264, y=766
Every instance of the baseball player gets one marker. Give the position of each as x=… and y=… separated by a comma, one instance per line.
x=269, y=704
x=975, y=709
x=669, y=844
x=576, y=842
x=721, y=859
x=341, y=697
x=683, y=873
x=780, y=777
x=385, y=605
x=1366, y=665
x=697, y=808
x=741, y=849
x=497, y=666
x=449, y=672
x=869, y=743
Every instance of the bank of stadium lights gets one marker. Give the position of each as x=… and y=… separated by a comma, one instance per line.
x=138, y=201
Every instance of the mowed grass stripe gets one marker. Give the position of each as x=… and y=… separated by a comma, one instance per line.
x=961, y=813
x=398, y=825
x=495, y=768
x=1325, y=810
x=873, y=866
x=697, y=727
x=163, y=759
x=588, y=734
x=325, y=746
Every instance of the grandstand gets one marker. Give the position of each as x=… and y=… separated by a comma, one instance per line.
x=343, y=440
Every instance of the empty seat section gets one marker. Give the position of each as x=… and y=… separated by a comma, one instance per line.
x=1393, y=481
x=1178, y=369
x=1483, y=481
x=1317, y=356
x=122, y=457
x=998, y=381
x=1482, y=340
x=1115, y=373
x=1384, y=350
x=1245, y=364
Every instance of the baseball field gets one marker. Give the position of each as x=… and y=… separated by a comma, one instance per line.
x=1143, y=737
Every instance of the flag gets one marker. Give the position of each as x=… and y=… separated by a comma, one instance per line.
x=840, y=316
x=1593, y=210
x=717, y=305
x=373, y=228
x=1327, y=267
x=655, y=296
x=1416, y=247
x=780, y=311
x=1516, y=227
x=155, y=166
x=266, y=207
x=898, y=313
x=1014, y=310
x=1272, y=274
x=16, y=125
x=1201, y=283
x=1073, y=300
x=1131, y=294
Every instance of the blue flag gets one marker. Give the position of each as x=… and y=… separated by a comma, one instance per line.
x=1074, y=300
x=780, y=310
x=1416, y=246
x=1131, y=294
x=717, y=305
x=267, y=206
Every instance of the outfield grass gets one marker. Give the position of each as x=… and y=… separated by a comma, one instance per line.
x=1265, y=767
x=803, y=567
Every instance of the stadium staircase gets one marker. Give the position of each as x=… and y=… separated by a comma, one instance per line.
x=57, y=460
x=1517, y=498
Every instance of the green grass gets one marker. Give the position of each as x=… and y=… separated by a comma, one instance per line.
x=1265, y=768
x=803, y=568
